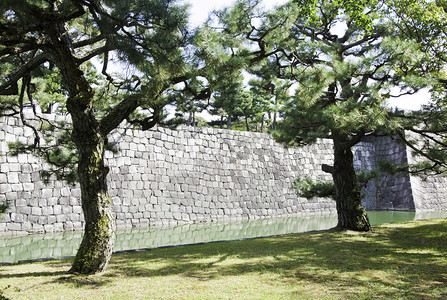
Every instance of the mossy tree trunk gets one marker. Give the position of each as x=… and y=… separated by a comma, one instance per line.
x=351, y=214
x=99, y=234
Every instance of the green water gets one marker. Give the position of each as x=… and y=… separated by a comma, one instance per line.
x=40, y=246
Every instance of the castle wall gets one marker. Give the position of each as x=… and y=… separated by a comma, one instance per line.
x=164, y=176
x=429, y=192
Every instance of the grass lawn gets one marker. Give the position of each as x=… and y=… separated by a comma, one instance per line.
x=394, y=261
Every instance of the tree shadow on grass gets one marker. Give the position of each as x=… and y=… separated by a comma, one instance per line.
x=32, y=274
x=80, y=281
x=397, y=262
x=63, y=277
x=402, y=262
x=62, y=265
x=420, y=236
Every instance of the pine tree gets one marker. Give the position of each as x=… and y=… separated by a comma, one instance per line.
x=46, y=36
x=344, y=60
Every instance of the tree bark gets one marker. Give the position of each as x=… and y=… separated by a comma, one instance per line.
x=96, y=247
x=97, y=243
x=229, y=122
x=351, y=214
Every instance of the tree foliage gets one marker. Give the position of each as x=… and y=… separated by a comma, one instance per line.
x=424, y=22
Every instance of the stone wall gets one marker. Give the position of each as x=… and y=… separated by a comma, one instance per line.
x=164, y=176
x=364, y=160
x=392, y=192
x=428, y=193
x=168, y=176
x=395, y=192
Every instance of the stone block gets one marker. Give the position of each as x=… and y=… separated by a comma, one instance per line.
x=10, y=138
x=65, y=192
x=37, y=211
x=3, y=178
x=77, y=209
x=47, y=210
x=47, y=193
x=76, y=192
x=52, y=219
x=73, y=201
x=48, y=228
x=67, y=209
x=26, y=226
x=61, y=218
x=14, y=226
x=177, y=216
x=19, y=203
x=42, y=202
x=68, y=226
x=74, y=217
x=16, y=187
x=58, y=227
x=80, y=225
x=28, y=186
x=13, y=160
x=17, y=217
x=13, y=177
x=42, y=220
x=5, y=188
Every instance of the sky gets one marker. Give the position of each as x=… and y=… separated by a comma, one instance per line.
x=200, y=9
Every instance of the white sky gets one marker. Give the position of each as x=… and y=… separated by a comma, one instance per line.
x=200, y=9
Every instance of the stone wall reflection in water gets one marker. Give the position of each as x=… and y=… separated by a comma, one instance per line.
x=42, y=246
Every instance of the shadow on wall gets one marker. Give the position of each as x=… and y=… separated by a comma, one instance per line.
x=3, y=207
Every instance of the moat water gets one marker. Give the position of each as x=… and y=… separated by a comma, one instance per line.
x=57, y=245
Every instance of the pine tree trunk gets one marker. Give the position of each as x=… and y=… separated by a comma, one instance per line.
x=99, y=234
x=351, y=214
x=262, y=123
x=229, y=122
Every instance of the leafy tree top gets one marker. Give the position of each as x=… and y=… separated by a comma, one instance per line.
x=148, y=37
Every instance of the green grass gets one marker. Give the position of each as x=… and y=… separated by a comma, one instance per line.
x=394, y=261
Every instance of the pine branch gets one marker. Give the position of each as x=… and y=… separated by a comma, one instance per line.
x=10, y=87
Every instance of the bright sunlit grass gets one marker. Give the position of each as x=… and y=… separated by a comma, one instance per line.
x=394, y=261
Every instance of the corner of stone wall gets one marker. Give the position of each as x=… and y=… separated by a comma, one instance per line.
x=393, y=192
x=429, y=192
